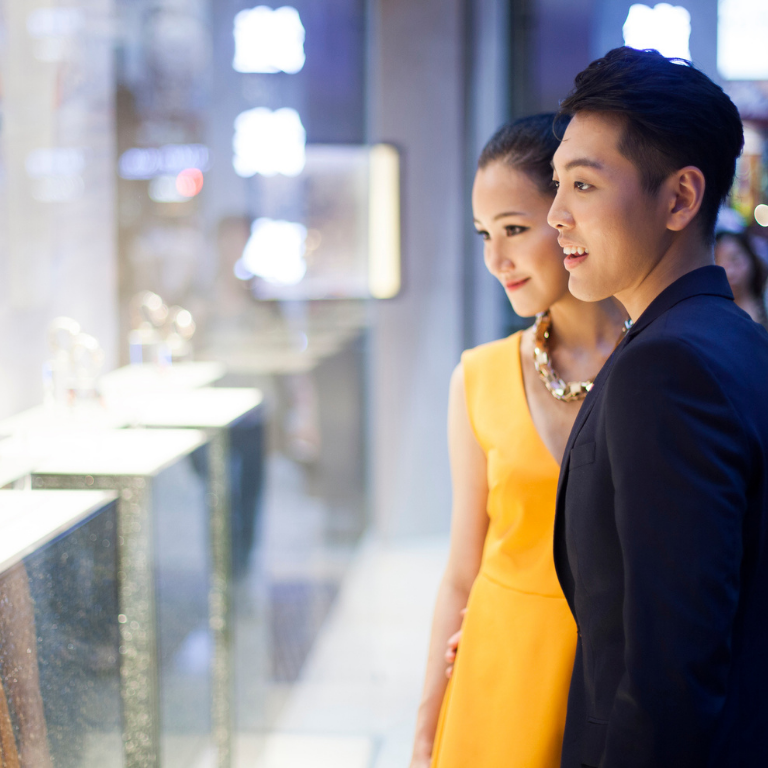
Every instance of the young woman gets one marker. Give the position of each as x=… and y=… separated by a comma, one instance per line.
x=512, y=405
x=745, y=271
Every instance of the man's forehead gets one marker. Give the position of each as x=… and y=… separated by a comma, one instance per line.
x=589, y=138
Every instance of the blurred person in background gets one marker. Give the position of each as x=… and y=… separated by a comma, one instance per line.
x=504, y=705
x=745, y=271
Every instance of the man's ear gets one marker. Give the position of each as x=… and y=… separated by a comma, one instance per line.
x=686, y=193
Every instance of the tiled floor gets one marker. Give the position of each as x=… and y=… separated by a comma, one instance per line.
x=354, y=702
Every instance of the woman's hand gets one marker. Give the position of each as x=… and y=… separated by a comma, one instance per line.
x=453, y=647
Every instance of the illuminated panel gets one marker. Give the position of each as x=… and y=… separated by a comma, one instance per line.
x=168, y=160
x=665, y=27
x=274, y=252
x=269, y=143
x=384, y=222
x=742, y=39
x=269, y=40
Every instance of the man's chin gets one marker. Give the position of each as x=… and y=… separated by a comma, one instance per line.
x=585, y=289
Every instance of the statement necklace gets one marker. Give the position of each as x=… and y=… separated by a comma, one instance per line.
x=567, y=391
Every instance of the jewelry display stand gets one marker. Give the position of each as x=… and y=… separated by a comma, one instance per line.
x=164, y=514
x=233, y=419
x=60, y=696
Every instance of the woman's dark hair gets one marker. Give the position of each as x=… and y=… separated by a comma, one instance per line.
x=675, y=116
x=759, y=268
x=528, y=145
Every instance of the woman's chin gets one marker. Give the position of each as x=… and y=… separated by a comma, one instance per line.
x=527, y=308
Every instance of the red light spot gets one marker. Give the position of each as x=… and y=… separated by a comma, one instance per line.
x=189, y=182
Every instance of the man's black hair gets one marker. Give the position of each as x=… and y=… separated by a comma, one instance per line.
x=675, y=116
x=528, y=145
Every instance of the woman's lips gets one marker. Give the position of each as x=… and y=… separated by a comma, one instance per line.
x=574, y=260
x=513, y=285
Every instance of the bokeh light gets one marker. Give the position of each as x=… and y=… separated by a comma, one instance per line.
x=189, y=182
x=274, y=252
x=665, y=27
x=269, y=40
x=269, y=143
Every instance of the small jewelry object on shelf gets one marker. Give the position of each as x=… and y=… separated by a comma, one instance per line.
x=160, y=335
x=76, y=360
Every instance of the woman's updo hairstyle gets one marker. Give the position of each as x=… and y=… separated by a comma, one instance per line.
x=527, y=144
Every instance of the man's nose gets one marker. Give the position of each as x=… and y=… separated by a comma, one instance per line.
x=559, y=217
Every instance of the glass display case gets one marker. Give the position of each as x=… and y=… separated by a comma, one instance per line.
x=59, y=632
x=164, y=545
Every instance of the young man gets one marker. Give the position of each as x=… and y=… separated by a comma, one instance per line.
x=661, y=535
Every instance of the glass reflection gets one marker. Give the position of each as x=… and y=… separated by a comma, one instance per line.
x=182, y=584
x=59, y=653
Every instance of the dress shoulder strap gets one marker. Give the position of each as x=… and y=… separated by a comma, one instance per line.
x=493, y=384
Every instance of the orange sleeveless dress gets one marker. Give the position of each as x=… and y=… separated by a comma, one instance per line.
x=505, y=703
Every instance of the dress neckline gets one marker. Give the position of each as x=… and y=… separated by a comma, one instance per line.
x=521, y=383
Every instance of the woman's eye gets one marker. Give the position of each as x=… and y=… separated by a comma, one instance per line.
x=582, y=185
x=555, y=184
x=514, y=229
x=483, y=234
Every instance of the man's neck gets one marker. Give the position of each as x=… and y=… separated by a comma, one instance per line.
x=684, y=256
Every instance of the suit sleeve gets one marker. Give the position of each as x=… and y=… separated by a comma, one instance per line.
x=680, y=468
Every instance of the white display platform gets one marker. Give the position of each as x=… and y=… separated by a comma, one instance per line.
x=200, y=408
x=121, y=452
x=13, y=470
x=30, y=519
x=81, y=418
x=151, y=378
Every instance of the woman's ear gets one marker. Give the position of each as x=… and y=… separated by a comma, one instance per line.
x=686, y=188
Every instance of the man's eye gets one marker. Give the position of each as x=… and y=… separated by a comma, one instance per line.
x=515, y=229
x=582, y=185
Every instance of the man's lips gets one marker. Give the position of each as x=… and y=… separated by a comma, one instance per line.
x=573, y=261
x=513, y=285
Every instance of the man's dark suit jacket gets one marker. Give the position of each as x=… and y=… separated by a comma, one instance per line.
x=661, y=541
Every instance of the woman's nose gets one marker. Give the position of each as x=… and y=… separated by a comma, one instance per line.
x=495, y=257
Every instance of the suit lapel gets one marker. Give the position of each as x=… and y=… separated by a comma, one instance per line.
x=562, y=565
x=584, y=411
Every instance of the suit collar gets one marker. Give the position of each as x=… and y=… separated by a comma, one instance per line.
x=710, y=281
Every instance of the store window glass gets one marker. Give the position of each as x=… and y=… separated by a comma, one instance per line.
x=243, y=198
x=188, y=181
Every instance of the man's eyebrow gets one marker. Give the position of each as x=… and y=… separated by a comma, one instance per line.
x=580, y=162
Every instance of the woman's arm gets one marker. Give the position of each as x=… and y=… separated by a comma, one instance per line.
x=469, y=524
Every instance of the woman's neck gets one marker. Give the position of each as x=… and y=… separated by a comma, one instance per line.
x=580, y=327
